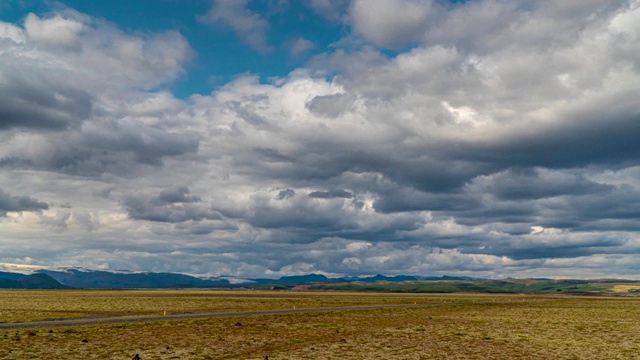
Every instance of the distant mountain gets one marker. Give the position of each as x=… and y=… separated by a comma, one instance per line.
x=34, y=281
x=380, y=277
x=318, y=278
x=479, y=286
x=90, y=279
x=10, y=275
x=448, y=278
x=101, y=279
x=295, y=280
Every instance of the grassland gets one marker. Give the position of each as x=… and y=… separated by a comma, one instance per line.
x=33, y=305
x=482, y=286
x=556, y=327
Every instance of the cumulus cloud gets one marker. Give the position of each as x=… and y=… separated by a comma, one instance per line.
x=482, y=138
x=299, y=46
x=331, y=194
x=249, y=26
x=178, y=194
x=14, y=203
x=390, y=23
x=56, y=32
x=285, y=194
x=77, y=76
x=173, y=205
x=332, y=10
x=31, y=100
x=330, y=106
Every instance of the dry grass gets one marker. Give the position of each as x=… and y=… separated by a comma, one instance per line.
x=569, y=328
x=31, y=305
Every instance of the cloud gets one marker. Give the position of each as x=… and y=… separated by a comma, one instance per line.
x=249, y=26
x=285, y=194
x=478, y=138
x=11, y=203
x=330, y=106
x=178, y=194
x=332, y=10
x=56, y=32
x=31, y=100
x=80, y=82
x=331, y=194
x=299, y=46
x=389, y=23
x=9, y=32
x=173, y=205
x=536, y=183
x=148, y=144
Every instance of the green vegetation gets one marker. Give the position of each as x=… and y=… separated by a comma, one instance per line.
x=476, y=286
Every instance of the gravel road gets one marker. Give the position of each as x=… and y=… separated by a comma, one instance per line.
x=128, y=319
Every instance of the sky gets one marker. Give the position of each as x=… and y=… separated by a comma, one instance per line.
x=265, y=138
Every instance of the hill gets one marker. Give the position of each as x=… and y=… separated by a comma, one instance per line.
x=34, y=281
x=476, y=286
x=90, y=279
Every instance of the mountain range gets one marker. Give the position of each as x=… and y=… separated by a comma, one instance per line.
x=100, y=279
x=80, y=278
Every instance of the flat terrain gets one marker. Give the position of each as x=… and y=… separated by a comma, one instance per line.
x=453, y=326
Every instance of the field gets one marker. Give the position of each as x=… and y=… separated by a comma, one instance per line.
x=455, y=326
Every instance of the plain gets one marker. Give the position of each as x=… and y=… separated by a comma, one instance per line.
x=453, y=326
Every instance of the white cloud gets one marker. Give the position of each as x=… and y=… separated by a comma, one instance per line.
x=501, y=144
x=56, y=32
x=11, y=32
x=249, y=26
x=390, y=23
x=331, y=10
x=300, y=46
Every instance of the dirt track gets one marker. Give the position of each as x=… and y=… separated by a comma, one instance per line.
x=128, y=319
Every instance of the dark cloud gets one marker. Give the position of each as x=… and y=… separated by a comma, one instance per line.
x=118, y=149
x=10, y=202
x=427, y=168
x=599, y=137
x=285, y=194
x=272, y=155
x=30, y=101
x=555, y=247
x=330, y=106
x=148, y=144
x=536, y=183
x=308, y=219
x=401, y=199
x=621, y=203
x=200, y=228
x=173, y=205
x=301, y=215
x=331, y=194
x=178, y=194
